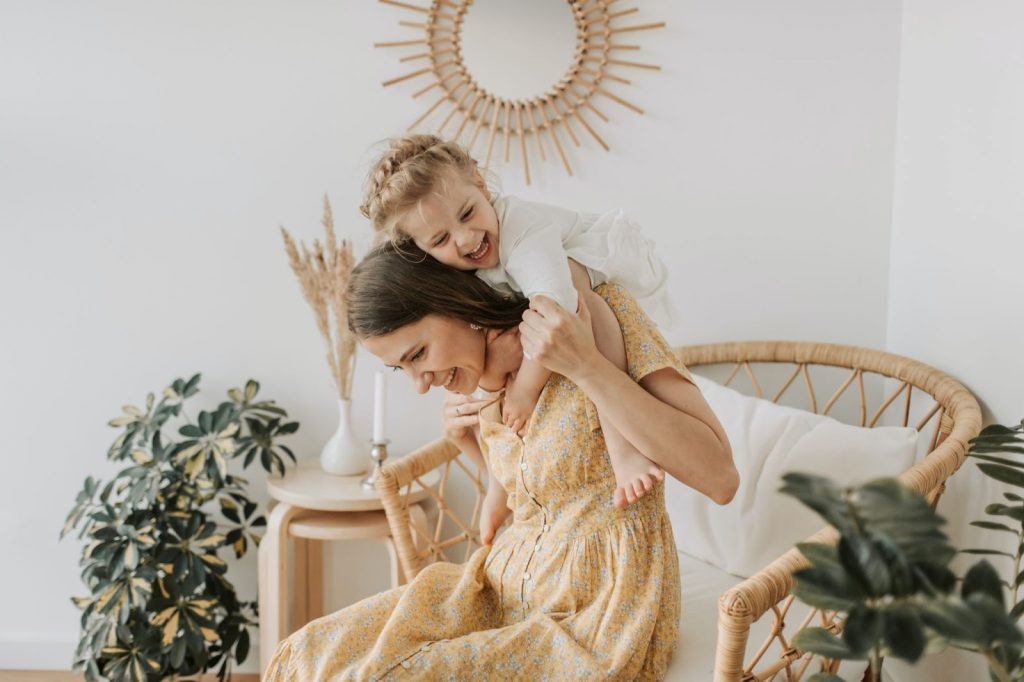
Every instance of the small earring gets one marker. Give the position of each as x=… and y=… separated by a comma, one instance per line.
x=475, y=327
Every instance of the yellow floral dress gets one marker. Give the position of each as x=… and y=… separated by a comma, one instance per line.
x=573, y=589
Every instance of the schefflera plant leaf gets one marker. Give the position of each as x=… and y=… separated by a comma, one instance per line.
x=160, y=603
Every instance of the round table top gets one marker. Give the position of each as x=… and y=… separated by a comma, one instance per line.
x=308, y=486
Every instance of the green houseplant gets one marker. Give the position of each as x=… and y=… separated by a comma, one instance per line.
x=160, y=603
x=889, y=572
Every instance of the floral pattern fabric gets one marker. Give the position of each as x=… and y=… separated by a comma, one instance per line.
x=573, y=589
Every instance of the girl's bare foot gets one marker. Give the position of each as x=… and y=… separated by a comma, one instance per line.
x=635, y=476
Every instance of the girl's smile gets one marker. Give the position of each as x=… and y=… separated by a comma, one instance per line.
x=456, y=224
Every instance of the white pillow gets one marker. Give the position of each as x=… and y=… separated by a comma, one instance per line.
x=769, y=440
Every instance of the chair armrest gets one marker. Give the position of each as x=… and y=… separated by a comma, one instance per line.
x=767, y=590
x=398, y=473
x=395, y=483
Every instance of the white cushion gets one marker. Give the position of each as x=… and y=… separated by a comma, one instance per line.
x=694, y=660
x=769, y=440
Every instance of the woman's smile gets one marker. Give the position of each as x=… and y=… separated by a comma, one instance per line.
x=434, y=351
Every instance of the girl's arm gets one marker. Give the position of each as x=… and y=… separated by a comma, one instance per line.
x=664, y=416
x=522, y=394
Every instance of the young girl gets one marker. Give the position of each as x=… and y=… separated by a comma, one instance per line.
x=431, y=192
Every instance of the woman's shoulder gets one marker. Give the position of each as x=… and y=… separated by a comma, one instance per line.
x=646, y=349
x=625, y=306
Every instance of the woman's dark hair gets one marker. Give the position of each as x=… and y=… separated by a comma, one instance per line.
x=397, y=285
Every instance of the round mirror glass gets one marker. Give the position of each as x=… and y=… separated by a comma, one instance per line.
x=518, y=50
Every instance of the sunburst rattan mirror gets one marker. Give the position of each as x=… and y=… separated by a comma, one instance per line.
x=480, y=115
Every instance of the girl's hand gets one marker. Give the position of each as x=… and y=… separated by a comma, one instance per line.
x=459, y=415
x=561, y=341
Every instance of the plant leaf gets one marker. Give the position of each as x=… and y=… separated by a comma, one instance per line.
x=982, y=578
x=990, y=525
x=170, y=628
x=190, y=431
x=1003, y=473
x=978, y=451
x=822, y=642
x=952, y=620
x=987, y=552
x=863, y=563
x=904, y=632
x=242, y=648
x=863, y=628
x=820, y=494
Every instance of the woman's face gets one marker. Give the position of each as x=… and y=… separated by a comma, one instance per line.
x=435, y=351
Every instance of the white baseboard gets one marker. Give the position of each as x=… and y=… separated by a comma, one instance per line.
x=57, y=655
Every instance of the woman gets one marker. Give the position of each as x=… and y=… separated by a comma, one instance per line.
x=575, y=587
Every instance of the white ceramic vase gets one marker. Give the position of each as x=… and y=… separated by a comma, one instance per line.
x=346, y=453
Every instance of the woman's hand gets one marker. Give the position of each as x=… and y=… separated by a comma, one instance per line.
x=561, y=341
x=459, y=415
x=493, y=512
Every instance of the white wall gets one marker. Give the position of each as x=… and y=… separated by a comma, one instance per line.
x=148, y=152
x=955, y=288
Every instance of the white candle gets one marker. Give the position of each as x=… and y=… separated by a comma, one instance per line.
x=379, y=398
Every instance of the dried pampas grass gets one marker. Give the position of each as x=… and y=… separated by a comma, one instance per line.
x=323, y=274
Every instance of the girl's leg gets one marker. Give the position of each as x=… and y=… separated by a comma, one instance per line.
x=634, y=473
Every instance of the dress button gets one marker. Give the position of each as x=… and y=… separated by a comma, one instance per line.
x=406, y=664
x=546, y=528
x=537, y=547
x=523, y=466
x=526, y=576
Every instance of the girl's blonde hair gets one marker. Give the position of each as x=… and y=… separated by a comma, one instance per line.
x=406, y=173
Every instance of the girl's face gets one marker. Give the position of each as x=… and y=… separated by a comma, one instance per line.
x=435, y=351
x=455, y=224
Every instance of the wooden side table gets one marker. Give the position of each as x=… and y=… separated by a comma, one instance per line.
x=314, y=506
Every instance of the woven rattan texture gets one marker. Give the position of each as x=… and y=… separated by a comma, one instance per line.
x=914, y=394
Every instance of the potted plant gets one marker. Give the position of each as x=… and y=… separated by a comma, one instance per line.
x=889, y=572
x=160, y=603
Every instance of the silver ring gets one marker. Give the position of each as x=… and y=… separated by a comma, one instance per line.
x=458, y=410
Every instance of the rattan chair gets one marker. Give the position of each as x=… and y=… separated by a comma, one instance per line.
x=951, y=413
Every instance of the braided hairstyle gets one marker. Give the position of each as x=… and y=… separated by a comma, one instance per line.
x=406, y=173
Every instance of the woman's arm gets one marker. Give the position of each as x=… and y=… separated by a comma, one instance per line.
x=665, y=416
x=459, y=418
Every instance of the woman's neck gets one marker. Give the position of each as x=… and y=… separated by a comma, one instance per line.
x=504, y=356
